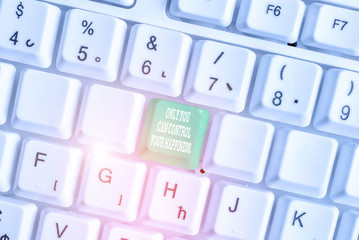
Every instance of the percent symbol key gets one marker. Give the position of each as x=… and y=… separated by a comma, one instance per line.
x=96, y=50
x=87, y=26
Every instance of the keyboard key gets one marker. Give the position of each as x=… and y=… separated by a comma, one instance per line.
x=115, y=231
x=124, y=3
x=332, y=28
x=110, y=118
x=173, y=133
x=17, y=219
x=298, y=219
x=48, y=172
x=338, y=111
x=156, y=60
x=46, y=104
x=88, y=48
x=112, y=187
x=28, y=31
x=349, y=226
x=238, y=212
x=280, y=20
x=285, y=90
x=231, y=135
x=57, y=224
x=217, y=12
x=175, y=200
x=344, y=3
x=7, y=77
x=344, y=187
x=301, y=162
x=9, y=145
x=219, y=75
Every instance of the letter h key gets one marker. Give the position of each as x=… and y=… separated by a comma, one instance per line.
x=175, y=200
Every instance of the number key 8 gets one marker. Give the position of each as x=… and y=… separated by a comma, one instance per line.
x=285, y=90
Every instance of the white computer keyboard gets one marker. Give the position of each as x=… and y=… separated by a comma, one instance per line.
x=179, y=119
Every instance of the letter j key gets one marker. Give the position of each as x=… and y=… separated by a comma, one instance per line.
x=238, y=212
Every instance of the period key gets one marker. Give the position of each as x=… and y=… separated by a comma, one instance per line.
x=173, y=133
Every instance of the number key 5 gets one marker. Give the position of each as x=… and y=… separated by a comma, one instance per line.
x=96, y=50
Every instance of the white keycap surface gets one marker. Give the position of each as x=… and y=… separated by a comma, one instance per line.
x=285, y=90
x=301, y=162
x=125, y=3
x=48, y=172
x=238, y=147
x=238, y=212
x=9, y=146
x=57, y=224
x=175, y=200
x=28, y=31
x=344, y=187
x=219, y=75
x=338, y=111
x=46, y=104
x=332, y=28
x=298, y=219
x=344, y=3
x=112, y=187
x=7, y=78
x=96, y=51
x=115, y=231
x=217, y=12
x=110, y=118
x=349, y=226
x=156, y=60
x=280, y=20
x=17, y=219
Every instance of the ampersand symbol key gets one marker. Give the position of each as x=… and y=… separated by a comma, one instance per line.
x=151, y=44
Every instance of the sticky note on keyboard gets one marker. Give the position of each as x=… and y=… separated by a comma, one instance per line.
x=173, y=133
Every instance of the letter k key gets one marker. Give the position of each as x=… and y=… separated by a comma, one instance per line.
x=295, y=218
